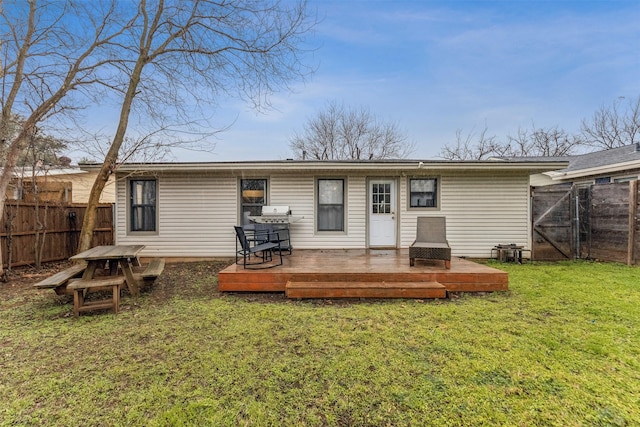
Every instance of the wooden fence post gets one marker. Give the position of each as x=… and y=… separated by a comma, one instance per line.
x=633, y=210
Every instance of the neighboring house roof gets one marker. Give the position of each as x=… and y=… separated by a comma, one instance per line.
x=613, y=160
x=81, y=181
x=28, y=173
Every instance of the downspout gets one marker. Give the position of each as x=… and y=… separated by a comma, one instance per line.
x=577, y=224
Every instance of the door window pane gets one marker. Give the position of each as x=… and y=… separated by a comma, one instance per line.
x=380, y=198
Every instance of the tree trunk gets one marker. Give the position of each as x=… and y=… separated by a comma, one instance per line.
x=89, y=222
x=111, y=159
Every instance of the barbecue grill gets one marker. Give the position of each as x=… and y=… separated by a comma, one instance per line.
x=275, y=215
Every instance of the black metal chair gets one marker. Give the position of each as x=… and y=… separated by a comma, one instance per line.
x=284, y=239
x=262, y=249
x=277, y=233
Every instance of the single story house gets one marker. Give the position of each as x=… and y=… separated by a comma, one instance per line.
x=60, y=185
x=188, y=210
x=600, y=167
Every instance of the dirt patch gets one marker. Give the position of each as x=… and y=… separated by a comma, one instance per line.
x=179, y=280
x=19, y=280
x=188, y=280
x=194, y=279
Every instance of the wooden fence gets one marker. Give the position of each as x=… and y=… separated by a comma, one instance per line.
x=51, y=228
x=594, y=222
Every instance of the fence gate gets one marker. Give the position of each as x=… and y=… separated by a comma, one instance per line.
x=598, y=222
x=553, y=215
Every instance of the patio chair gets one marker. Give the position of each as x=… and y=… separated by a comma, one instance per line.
x=431, y=241
x=262, y=249
x=277, y=233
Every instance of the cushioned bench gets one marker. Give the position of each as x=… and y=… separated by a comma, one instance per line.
x=80, y=287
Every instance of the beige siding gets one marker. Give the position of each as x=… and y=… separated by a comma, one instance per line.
x=357, y=212
x=81, y=184
x=481, y=212
x=81, y=188
x=196, y=216
x=299, y=193
x=296, y=191
x=197, y=213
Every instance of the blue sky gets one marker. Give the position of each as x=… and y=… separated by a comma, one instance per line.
x=438, y=66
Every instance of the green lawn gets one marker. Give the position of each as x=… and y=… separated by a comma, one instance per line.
x=561, y=348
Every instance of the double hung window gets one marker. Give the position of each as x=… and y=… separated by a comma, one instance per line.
x=330, y=215
x=143, y=204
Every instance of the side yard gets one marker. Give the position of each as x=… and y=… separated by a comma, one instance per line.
x=560, y=348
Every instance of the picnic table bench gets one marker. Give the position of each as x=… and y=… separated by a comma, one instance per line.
x=80, y=287
x=152, y=270
x=58, y=282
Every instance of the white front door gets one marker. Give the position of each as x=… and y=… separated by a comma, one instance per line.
x=382, y=213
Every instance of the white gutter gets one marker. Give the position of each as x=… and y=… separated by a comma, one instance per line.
x=280, y=166
x=600, y=170
x=28, y=173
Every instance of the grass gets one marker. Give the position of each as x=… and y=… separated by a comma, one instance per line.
x=561, y=348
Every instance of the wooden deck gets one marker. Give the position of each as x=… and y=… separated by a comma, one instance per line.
x=362, y=274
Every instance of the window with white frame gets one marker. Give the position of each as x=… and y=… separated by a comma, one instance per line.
x=143, y=205
x=330, y=206
x=423, y=192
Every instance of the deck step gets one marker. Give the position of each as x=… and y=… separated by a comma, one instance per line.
x=365, y=290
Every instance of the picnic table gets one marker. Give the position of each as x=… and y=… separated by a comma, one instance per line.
x=123, y=256
x=93, y=278
x=103, y=268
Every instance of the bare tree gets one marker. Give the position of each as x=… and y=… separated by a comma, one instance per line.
x=613, y=126
x=540, y=142
x=152, y=147
x=536, y=142
x=44, y=63
x=41, y=149
x=473, y=147
x=195, y=50
x=339, y=133
x=610, y=127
